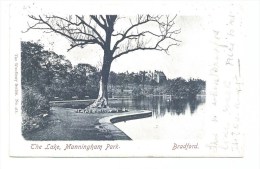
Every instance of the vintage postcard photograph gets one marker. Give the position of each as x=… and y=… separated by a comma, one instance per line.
x=152, y=83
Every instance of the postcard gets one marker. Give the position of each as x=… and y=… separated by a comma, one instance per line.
x=158, y=80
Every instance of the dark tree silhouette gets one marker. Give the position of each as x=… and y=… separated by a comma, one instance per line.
x=117, y=36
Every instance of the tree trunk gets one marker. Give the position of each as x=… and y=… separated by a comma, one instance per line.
x=102, y=100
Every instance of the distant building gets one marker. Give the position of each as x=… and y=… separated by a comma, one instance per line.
x=159, y=76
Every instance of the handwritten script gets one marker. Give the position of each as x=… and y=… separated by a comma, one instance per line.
x=225, y=90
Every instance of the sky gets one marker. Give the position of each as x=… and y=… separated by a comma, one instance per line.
x=189, y=60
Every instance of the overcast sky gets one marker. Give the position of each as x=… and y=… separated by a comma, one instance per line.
x=189, y=60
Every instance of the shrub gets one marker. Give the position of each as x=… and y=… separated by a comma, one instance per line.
x=34, y=103
x=35, y=107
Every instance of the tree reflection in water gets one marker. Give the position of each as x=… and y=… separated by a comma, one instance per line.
x=161, y=105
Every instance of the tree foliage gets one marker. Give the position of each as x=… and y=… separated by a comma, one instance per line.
x=54, y=76
x=115, y=35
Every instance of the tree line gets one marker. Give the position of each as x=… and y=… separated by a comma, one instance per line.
x=115, y=35
x=143, y=84
x=49, y=76
x=54, y=77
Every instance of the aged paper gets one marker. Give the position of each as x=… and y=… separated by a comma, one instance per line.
x=143, y=83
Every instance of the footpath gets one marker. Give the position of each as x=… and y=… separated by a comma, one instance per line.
x=66, y=124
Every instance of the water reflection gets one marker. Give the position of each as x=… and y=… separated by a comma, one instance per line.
x=161, y=105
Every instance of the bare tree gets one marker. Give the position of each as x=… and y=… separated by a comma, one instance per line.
x=144, y=32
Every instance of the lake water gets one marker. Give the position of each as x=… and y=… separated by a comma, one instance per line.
x=171, y=119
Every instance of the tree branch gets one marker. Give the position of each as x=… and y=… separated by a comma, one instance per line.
x=124, y=34
x=77, y=32
x=94, y=17
x=156, y=47
x=134, y=41
x=92, y=28
x=105, y=23
x=138, y=36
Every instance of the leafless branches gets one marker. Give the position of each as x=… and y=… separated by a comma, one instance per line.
x=75, y=29
x=138, y=37
x=145, y=32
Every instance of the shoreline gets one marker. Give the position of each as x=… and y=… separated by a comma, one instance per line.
x=109, y=121
x=66, y=125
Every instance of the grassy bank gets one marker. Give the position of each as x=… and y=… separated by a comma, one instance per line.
x=66, y=124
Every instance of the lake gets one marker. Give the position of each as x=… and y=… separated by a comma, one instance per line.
x=171, y=118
